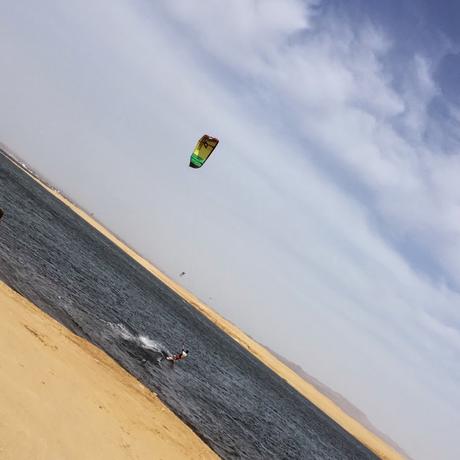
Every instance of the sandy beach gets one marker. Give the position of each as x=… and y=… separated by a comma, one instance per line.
x=63, y=398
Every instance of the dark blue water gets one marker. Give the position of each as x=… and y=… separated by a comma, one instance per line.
x=233, y=402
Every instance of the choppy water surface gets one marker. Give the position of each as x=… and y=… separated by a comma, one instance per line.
x=233, y=402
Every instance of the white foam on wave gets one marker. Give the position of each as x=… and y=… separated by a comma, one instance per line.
x=119, y=330
x=150, y=344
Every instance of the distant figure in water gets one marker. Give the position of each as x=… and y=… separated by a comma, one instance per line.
x=178, y=356
x=182, y=274
x=1, y=213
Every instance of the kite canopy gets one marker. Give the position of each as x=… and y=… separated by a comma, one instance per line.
x=203, y=149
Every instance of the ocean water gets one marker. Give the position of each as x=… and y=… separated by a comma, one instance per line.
x=240, y=408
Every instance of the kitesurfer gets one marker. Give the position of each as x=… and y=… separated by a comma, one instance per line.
x=178, y=356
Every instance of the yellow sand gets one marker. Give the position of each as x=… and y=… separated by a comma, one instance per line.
x=63, y=398
x=374, y=443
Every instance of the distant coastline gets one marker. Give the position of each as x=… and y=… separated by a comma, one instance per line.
x=340, y=400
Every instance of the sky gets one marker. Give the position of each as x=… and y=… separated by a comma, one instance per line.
x=326, y=224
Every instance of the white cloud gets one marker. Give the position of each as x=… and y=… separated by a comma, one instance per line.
x=249, y=33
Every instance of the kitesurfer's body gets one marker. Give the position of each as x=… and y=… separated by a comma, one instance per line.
x=178, y=356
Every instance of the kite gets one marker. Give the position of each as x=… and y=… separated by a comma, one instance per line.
x=203, y=149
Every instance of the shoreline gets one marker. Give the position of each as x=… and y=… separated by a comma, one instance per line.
x=62, y=397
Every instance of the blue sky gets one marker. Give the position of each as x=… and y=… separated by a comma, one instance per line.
x=326, y=225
